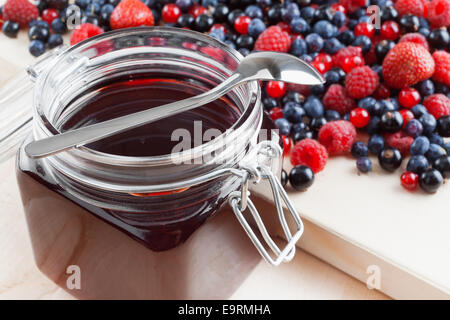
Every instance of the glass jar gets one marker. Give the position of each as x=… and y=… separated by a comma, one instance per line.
x=156, y=190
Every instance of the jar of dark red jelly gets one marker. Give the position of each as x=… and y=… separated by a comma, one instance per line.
x=136, y=213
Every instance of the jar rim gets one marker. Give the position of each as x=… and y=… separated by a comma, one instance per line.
x=102, y=157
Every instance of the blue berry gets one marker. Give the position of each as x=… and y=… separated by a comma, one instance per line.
x=419, y=146
x=107, y=9
x=317, y=89
x=256, y=27
x=254, y=12
x=331, y=77
x=301, y=178
x=332, y=115
x=364, y=164
x=346, y=37
x=359, y=149
x=36, y=48
x=417, y=164
x=58, y=26
x=184, y=5
x=314, y=42
x=55, y=40
x=244, y=51
x=424, y=31
x=376, y=144
x=293, y=112
x=414, y=128
x=298, y=47
x=293, y=96
x=299, y=25
x=324, y=29
x=39, y=23
x=428, y=122
x=290, y=12
x=306, y=58
x=374, y=125
x=217, y=34
x=283, y=126
x=332, y=46
x=308, y=13
x=210, y=3
x=387, y=105
x=313, y=107
x=446, y=146
x=82, y=3
x=38, y=33
x=269, y=103
x=435, y=151
x=436, y=139
x=299, y=127
x=419, y=110
x=426, y=88
x=364, y=42
x=339, y=19
x=367, y=103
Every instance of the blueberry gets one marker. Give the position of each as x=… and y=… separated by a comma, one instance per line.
x=331, y=77
x=390, y=159
x=414, y=128
x=352, y=23
x=374, y=125
x=302, y=135
x=364, y=42
x=443, y=126
x=298, y=47
x=417, y=164
x=82, y=3
x=299, y=25
x=58, y=26
x=256, y=27
x=346, y=116
x=93, y=8
x=367, y=103
x=435, y=151
x=436, y=139
x=244, y=51
x=332, y=46
x=332, y=115
x=346, y=37
x=293, y=96
x=284, y=178
x=245, y=41
x=283, y=126
x=391, y=121
x=209, y=3
x=36, y=48
x=39, y=23
x=301, y=178
x=430, y=180
x=313, y=108
x=420, y=145
x=314, y=42
x=317, y=123
x=446, y=146
x=299, y=127
x=203, y=22
x=364, y=164
x=38, y=33
x=419, y=110
x=424, y=31
x=339, y=19
x=184, y=5
x=324, y=29
x=442, y=164
x=428, y=122
x=55, y=40
x=274, y=14
x=269, y=103
x=306, y=58
x=221, y=13
x=10, y=29
x=290, y=12
x=376, y=144
x=293, y=112
x=307, y=13
x=387, y=105
x=359, y=149
x=254, y=12
x=426, y=87
x=323, y=12
x=388, y=13
x=216, y=33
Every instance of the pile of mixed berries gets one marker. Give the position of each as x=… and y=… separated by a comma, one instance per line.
x=387, y=90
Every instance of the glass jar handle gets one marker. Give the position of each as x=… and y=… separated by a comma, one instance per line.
x=240, y=201
x=16, y=98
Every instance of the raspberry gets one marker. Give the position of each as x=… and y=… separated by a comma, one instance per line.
x=131, y=13
x=353, y=5
x=416, y=38
x=438, y=105
x=336, y=98
x=85, y=31
x=414, y=7
x=439, y=13
x=406, y=64
x=399, y=140
x=361, y=82
x=20, y=11
x=273, y=39
x=310, y=153
x=442, y=70
x=348, y=52
x=337, y=136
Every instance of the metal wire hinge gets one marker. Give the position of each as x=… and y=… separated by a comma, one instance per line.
x=240, y=201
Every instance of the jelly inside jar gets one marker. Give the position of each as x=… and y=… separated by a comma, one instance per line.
x=158, y=138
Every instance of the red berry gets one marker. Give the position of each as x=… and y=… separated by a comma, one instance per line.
x=219, y=26
x=407, y=116
x=241, y=24
x=416, y=38
x=336, y=98
x=382, y=92
x=359, y=117
x=390, y=30
x=442, y=73
x=439, y=13
x=20, y=11
x=438, y=105
x=1, y=21
x=409, y=180
x=131, y=13
x=49, y=15
x=346, y=52
x=170, y=13
x=352, y=62
x=414, y=7
x=337, y=136
x=287, y=144
x=361, y=82
x=364, y=29
x=284, y=26
x=338, y=7
x=273, y=39
x=353, y=5
x=276, y=89
x=399, y=140
x=408, y=97
x=406, y=64
x=85, y=31
x=197, y=10
x=276, y=113
x=310, y=153
x=319, y=66
x=326, y=59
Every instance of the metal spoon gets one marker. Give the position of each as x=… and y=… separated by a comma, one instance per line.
x=256, y=66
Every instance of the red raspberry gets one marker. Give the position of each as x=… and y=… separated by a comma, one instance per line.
x=273, y=39
x=85, y=31
x=276, y=89
x=310, y=153
x=439, y=13
x=347, y=52
x=359, y=117
x=416, y=38
x=409, y=180
x=131, y=13
x=442, y=71
x=337, y=136
x=406, y=64
x=20, y=11
x=361, y=82
x=414, y=7
x=353, y=5
x=438, y=105
x=336, y=98
x=408, y=97
x=241, y=24
x=399, y=140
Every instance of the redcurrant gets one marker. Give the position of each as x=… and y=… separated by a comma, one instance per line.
x=287, y=144
x=407, y=116
x=276, y=89
x=48, y=15
x=352, y=62
x=276, y=113
x=359, y=117
x=364, y=29
x=409, y=180
x=241, y=24
x=170, y=13
x=408, y=97
x=390, y=30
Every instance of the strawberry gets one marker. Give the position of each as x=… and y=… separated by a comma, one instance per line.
x=406, y=64
x=416, y=38
x=20, y=11
x=85, y=31
x=131, y=13
x=442, y=73
x=273, y=39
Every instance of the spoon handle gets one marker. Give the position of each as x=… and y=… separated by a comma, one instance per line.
x=98, y=131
